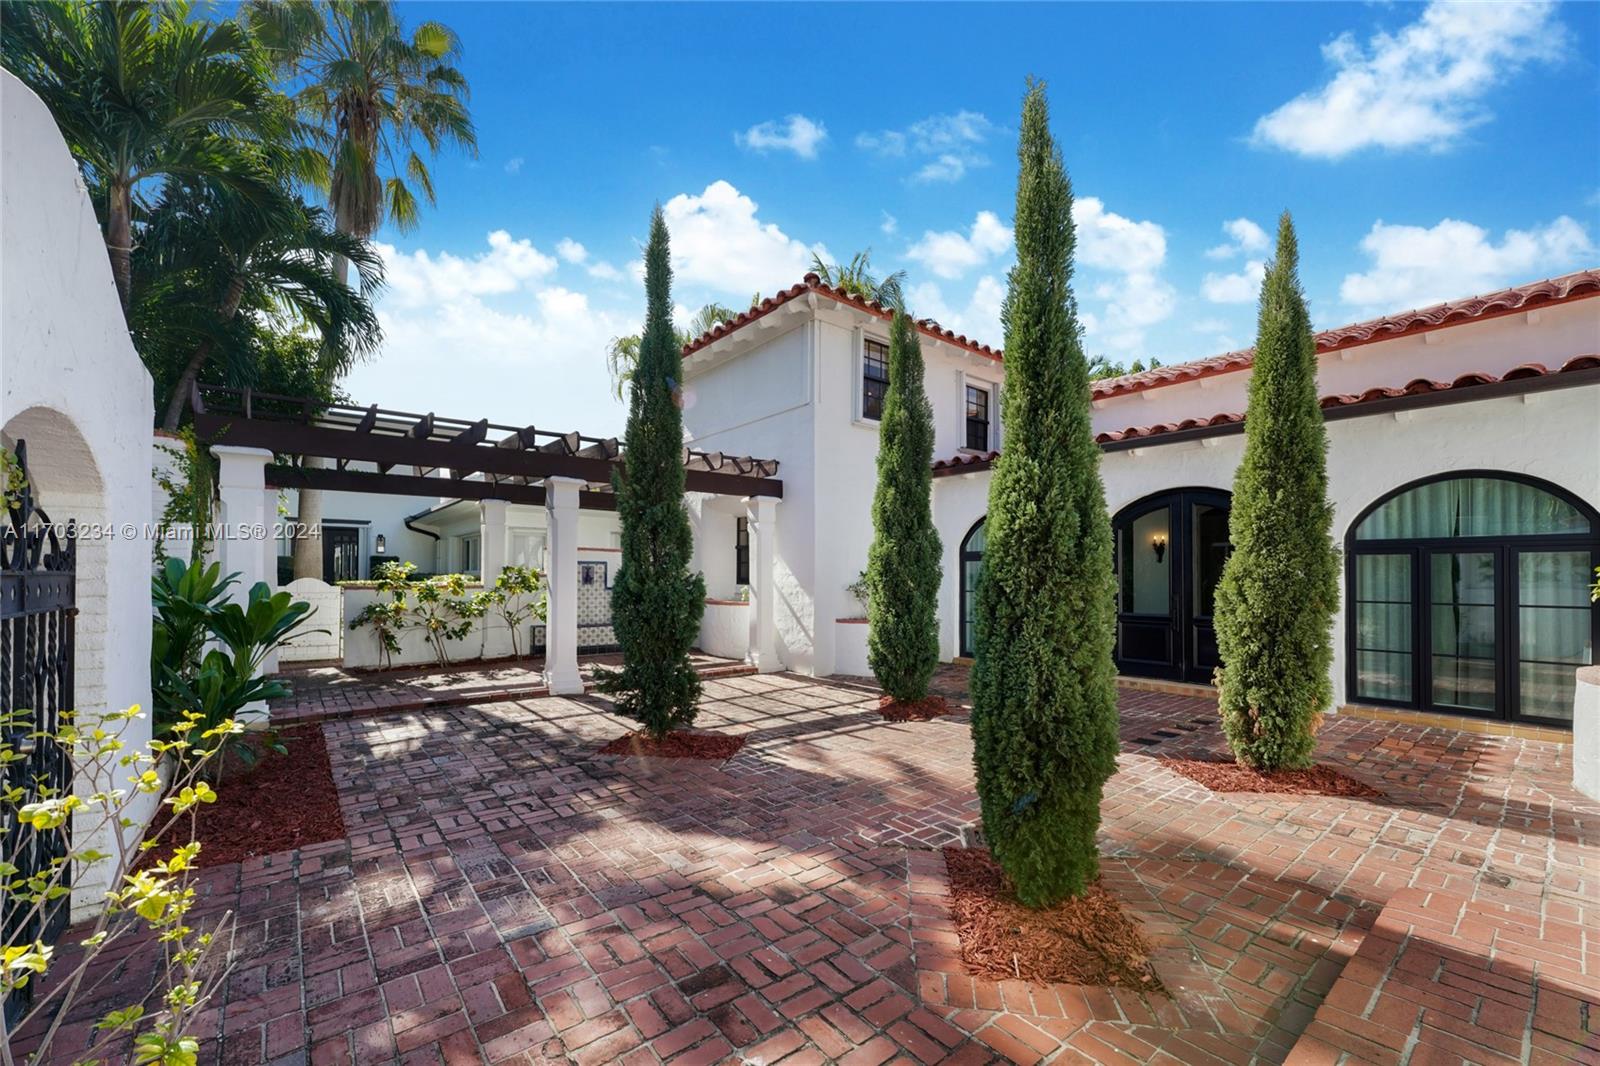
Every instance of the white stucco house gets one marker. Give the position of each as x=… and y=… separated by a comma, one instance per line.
x=1464, y=466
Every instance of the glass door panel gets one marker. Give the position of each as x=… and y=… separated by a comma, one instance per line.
x=1462, y=624
x=1146, y=629
x=1208, y=553
x=1385, y=667
x=1555, y=630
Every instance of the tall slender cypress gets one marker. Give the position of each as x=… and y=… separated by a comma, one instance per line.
x=1280, y=587
x=1044, y=720
x=903, y=568
x=656, y=601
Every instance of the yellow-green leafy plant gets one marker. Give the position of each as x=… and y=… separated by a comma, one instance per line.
x=443, y=612
x=515, y=597
x=152, y=899
x=387, y=617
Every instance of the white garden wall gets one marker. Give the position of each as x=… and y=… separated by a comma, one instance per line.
x=72, y=386
x=725, y=629
x=321, y=638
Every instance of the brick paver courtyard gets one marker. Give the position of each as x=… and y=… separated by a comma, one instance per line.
x=507, y=895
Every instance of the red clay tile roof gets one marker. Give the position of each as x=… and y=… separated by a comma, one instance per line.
x=1451, y=313
x=812, y=283
x=1417, y=387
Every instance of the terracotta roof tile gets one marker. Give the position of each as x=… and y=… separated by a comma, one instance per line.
x=1417, y=387
x=1451, y=313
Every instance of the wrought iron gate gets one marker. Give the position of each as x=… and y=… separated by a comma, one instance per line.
x=37, y=613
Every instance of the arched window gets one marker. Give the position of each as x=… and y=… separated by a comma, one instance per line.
x=971, y=561
x=1469, y=594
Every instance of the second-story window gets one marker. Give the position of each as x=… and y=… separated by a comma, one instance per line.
x=874, y=378
x=977, y=418
x=741, y=551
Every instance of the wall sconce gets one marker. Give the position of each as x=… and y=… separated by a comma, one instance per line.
x=380, y=545
x=1158, y=544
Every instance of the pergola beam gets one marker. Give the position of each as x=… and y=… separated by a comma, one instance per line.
x=283, y=476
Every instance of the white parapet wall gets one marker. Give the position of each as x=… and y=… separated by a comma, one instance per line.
x=488, y=638
x=1586, y=733
x=725, y=629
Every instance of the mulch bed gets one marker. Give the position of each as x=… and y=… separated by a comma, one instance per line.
x=1221, y=776
x=1084, y=941
x=927, y=707
x=675, y=745
x=282, y=802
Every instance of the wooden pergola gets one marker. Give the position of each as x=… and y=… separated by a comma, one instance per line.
x=262, y=441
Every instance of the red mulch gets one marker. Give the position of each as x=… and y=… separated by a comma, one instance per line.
x=1084, y=941
x=927, y=707
x=676, y=745
x=281, y=803
x=1221, y=776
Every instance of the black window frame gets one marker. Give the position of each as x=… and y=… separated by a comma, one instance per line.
x=978, y=423
x=1505, y=548
x=874, y=378
x=741, y=551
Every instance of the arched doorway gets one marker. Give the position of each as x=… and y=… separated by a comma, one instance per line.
x=1170, y=548
x=971, y=561
x=1469, y=594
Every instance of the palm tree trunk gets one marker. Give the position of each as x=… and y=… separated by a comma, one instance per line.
x=308, y=544
x=202, y=351
x=119, y=243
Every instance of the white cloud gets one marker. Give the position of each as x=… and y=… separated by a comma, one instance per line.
x=718, y=241
x=979, y=318
x=1128, y=255
x=485, y=335
x=1244, y=237
x=1414, y=266
x=571, y=251
x=1418, y=88
x=417, y=278
x=604, y=271
x=1241, y=288
x=889, y=224
x=514, y=165
x=949, y=254
x=796, y=134
x=949, y=144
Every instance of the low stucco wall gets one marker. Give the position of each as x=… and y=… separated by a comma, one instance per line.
x=1586, y=733
x=725, y=629
x=488, y=639
x=850, y=647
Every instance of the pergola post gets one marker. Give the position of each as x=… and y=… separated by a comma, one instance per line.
x=242, y=491
x=762, y=519
x=561, y=622
x=492, y=539
x=269, y=560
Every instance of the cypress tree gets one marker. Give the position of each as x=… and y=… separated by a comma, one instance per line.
x=656, y=601
x=1044, y=719
x=1280, y=587
x=903, y=568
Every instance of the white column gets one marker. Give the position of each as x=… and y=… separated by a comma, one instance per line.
x=762, y=520
x=561, y=623
x=493, y=548
x=242, y=489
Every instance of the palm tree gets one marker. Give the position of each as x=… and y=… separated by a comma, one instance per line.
x=140, y=91
x=378, y=96
x=856, y=278
x=622, y=354
x=240, y=261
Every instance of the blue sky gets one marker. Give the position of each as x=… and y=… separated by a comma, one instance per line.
x=1426, y=152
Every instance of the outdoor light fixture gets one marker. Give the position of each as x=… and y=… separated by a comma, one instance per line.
x=380, y=544
x=1158, y=544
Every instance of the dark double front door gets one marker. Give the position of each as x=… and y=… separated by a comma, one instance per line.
x=1170, y=552
x=341, y=554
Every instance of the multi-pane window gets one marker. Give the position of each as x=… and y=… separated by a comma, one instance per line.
x=741, y=552
x=977, y=418
x=874, y=378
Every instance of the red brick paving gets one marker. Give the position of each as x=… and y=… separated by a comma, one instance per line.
x=506, y=895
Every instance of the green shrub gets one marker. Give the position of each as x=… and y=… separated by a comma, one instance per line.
x=1044, y=718
x=1280, y=587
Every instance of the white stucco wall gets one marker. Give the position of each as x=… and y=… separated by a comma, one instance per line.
x=725, y=629
x=75, y=390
